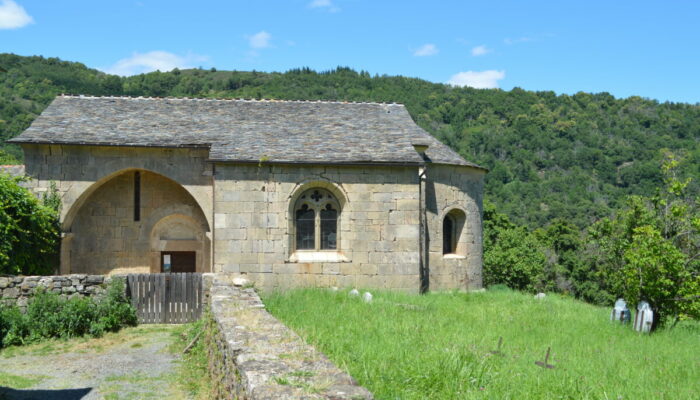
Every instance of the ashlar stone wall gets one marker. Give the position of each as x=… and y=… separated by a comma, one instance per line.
x=107, y=239
x=378, y=229
x=238, y=217
x=79, y=170
x=92, y=183
x=458, y=190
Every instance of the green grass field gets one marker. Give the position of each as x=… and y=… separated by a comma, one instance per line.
x=438, y=346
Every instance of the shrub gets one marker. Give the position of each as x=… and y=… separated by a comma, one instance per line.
x=13, y=326
x=52, y=316
x=512, y=256
x=43, y=315
x=114, y=310
x=28, y=230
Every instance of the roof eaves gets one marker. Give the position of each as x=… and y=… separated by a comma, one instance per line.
x=17, y=140
x=467, y=165
x=344, y=163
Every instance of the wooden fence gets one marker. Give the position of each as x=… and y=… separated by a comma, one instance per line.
x=174, y=298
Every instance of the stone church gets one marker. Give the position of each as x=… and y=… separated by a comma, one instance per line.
x=286, y=193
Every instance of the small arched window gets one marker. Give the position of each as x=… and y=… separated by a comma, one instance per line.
x=452, y=235
x=316, y=214
x=448, y=235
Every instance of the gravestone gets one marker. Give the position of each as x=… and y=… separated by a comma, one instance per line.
x=644, y=317
x=620, y=312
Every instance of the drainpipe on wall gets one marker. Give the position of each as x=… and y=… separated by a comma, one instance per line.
x=424, y=268
x=212, y=245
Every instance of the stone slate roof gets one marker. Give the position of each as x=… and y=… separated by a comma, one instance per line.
x=243, y=130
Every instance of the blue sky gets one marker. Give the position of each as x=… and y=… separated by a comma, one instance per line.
x=645, y=48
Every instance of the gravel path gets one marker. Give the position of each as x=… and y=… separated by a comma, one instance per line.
x=132, y=364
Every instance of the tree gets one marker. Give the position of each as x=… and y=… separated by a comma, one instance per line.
x=29, y=234
x=651, y=250
x=655, y=270
x=564, y=248
x=513, y=256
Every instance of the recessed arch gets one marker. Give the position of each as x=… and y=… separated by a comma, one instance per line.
x=107, y=236
x=81, y=194
x=179, y=233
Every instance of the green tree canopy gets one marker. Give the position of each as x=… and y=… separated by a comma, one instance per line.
x=28, y=231
x=651, y=250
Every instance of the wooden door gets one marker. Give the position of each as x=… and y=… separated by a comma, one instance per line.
x=180, y=261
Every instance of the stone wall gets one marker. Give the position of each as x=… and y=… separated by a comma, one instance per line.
x=246, y=217
x=450, y=188
x=79, y=170
x=17, y=290
x=13, y=170
x=92, y=183
x=19, y=171
x=105, y=237
x=377, y=234
x=254, y=356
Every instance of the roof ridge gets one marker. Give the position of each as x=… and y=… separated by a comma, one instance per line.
x=239, y=99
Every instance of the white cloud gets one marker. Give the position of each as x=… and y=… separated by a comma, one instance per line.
x=260, y=40
x=478, y=79
x=425, y=50
x=325, y=4
x=140, y=63
x=480, y=50
x=13, y=16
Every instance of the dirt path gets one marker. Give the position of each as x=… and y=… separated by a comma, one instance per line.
x=132, y=364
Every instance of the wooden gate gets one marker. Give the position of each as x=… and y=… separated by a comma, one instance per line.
x=174, y=298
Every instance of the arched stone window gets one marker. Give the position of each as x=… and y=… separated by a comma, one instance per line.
x=316, y=215
x=452, y=233
x=448, y=235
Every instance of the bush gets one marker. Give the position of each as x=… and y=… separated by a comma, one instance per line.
x=29, y=234
x=13, y=326
x=512, y=255
x=52, y=316
x=115, y=310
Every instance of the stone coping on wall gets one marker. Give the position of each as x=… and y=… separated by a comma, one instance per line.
x=258, y=357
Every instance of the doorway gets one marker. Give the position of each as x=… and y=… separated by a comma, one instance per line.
x=179, y=261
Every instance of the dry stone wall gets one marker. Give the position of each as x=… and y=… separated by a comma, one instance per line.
x=17, y=290
x=254, y=356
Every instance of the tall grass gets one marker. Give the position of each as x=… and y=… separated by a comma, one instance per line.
x=192, y=375
x=439, y=345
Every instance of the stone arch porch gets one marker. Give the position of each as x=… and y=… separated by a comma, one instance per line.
x=122, y=223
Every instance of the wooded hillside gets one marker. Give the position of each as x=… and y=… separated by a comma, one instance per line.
x=551, y=156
